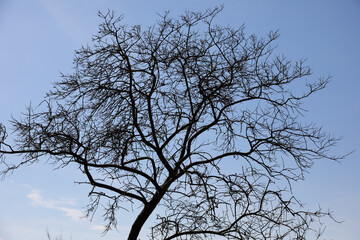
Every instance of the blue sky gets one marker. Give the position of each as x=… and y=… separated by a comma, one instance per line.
x=37, y=42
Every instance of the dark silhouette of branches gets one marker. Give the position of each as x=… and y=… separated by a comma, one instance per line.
x=187, y=116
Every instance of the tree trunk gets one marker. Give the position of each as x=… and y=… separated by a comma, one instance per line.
x=144, y=215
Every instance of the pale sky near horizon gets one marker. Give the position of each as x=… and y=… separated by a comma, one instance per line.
x=37, y=42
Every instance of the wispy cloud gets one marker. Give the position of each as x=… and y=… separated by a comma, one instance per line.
x=97, y=227
x=38, y=200
x=64, y=205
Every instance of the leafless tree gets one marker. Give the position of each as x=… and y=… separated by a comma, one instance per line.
x=196, y=120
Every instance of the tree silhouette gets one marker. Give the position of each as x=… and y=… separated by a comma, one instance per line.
x=197, y=120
